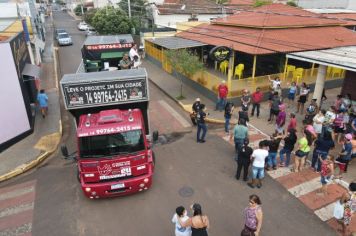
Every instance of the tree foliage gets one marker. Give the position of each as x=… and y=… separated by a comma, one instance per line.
x=78, y=10
x=184, y=62
x=111, y=20
x=292, y=3
x=89, y=15
x=138, y=11
x=259, y=3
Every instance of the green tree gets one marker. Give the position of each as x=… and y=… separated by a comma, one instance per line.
x=78, y=10
x=110, y=20
x=292, y=3
x=88, y=16
x=138, y=11
x=185, y=63
x=259, y=3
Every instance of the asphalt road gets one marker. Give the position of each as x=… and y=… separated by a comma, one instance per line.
x=186, y=172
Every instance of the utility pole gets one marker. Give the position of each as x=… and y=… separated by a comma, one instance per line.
x=129, y=7
x=82, y=8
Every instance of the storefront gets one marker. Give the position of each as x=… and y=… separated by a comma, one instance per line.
x=18, y=91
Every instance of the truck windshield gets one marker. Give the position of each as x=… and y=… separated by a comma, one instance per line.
x=111, y=144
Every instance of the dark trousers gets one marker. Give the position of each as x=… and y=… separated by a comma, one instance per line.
x=315, y=159
x=201, y=128
x=242, y=164
x=255, y=106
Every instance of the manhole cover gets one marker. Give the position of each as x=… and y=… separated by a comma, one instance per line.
x=186, y=191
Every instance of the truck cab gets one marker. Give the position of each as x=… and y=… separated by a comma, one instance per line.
x=114, y=155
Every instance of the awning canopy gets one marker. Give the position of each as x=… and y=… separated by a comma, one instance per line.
x=31, y=70
x=107, y=55
x=341, y=57
x=175, y=42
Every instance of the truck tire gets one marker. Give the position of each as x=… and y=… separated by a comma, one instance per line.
x=78, y=175
x=153, y=159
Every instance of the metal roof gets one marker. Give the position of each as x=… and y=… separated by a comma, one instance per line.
x=176, y=42
x=341, y=57
x=108, y=39
x=103, y=76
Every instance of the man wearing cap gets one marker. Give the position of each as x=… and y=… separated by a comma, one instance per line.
x=222, y=94
x=195, y=110
x=256, y=101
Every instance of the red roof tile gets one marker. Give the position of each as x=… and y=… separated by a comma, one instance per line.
x=266, y=41
x=349, y=18
x=276, y=16
x=241, y=2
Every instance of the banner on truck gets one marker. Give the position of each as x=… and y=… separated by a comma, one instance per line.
x=104, y=93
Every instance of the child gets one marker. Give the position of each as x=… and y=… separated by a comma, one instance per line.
x=292, y=92
x=327, y=171
x=181, y=213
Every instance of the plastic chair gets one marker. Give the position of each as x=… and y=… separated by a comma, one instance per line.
x=298, y=73
x=335, y=71
x=239, y=70
x=290, y=68
x=223, y=66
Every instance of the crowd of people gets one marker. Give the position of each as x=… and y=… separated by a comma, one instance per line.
x=309, y=142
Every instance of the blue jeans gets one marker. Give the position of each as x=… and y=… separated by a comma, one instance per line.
x=315, y=159
x=272, y=159
x=204, y=128
x=220, y=104
x=281, y=156
x=258, y=172
x=227, y=124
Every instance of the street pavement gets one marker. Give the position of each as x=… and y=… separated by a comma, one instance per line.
x=185, y=172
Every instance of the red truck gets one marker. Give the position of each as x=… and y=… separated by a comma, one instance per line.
x=114, y=145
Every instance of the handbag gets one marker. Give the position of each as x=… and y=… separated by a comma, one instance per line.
x=247, y=232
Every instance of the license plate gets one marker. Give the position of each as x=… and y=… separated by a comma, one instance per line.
x=117, y=186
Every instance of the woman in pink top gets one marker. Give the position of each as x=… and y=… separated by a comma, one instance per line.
x=292, y=122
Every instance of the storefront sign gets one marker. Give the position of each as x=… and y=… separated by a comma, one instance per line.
x=108, y=46
x=220, y=53
x=104, y=93
x=20, y=52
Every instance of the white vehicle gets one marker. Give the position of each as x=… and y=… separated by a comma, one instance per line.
x=64, y=39
x=82, y=26
x=90, y=31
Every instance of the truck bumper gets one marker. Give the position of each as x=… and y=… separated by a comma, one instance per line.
x=132, y=185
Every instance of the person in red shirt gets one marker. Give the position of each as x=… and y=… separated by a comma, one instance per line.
x=222, y=94
x=257, y=97
x=292, y=122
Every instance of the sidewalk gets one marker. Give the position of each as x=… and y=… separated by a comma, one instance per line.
x=47, y=133
x=302, y=185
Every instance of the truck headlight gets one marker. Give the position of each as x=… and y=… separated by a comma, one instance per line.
x=87, y=189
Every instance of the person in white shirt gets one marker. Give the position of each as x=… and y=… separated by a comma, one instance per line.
x=275, y=82
x=318, y=121
x=179, y=230
x=258, y=164
x=133, y=52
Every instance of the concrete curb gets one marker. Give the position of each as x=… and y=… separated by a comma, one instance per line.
x=25, y=167
x=209, y=120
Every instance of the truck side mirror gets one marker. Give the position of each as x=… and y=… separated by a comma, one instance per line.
x=155, y=136
x=64, y=151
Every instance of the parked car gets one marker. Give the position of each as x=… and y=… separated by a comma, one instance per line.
x=82, y=26
x=90, y=31
x=60, y=31
x=64, y=39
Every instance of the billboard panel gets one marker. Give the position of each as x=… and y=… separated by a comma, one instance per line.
x=13, y=115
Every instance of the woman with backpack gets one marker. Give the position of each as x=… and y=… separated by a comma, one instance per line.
x=253, y=217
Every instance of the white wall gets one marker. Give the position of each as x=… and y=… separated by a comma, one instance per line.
x=308, y=4
x=13, y=115
x=172, y=20
x=352, y=5
x=9, y=10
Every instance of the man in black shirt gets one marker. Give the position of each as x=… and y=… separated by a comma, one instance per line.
x=195, y=110
x=201, y=124
x=244, y=160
